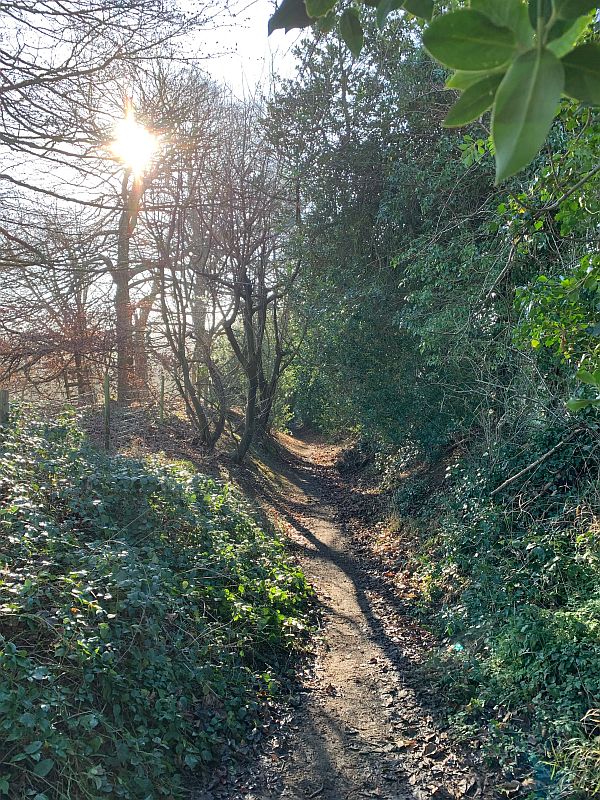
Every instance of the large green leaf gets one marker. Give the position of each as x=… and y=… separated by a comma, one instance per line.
x=327, y=23
x=509, y=13
x=566, y=40
x=463, y=79
x=569, y=9
x=319, y=8
x=473, y=102
x=582, y=73
x=419, y=8
x=351, y=31
x=537, y=6
x=290, y=14
x=468, y=40
x=525, y=105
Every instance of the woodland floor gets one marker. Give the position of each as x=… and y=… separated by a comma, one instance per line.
x=366, y=724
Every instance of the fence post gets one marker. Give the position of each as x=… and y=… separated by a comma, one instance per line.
x=106, y=412
x=161, y=405
x=4, y=407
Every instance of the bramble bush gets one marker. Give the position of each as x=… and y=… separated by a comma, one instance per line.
x=145, y=617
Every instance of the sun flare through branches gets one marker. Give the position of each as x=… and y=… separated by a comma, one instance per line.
x=133, y=144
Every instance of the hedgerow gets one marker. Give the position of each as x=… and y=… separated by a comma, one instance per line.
x=510, y=580
x=144, y=618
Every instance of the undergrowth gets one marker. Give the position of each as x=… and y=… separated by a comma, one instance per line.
x=511, y=582
x=144, y=619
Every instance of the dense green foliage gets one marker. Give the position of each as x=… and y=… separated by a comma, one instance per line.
x=446, y=315
x=145, y=617
x=515, y=57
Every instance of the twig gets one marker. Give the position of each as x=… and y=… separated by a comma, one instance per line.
x=316, y=792
x=536, y=463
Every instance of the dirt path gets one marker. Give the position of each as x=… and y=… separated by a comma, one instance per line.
x=364, y=727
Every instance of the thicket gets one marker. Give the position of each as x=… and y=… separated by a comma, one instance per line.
x=453, y=323
x=146, y=619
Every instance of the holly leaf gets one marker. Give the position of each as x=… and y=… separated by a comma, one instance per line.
x=473, y=102
x=351, y=31
x=468, y=40
x=582, y=73
x=525, y=105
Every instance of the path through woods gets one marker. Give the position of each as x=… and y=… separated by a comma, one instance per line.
x=365, y=727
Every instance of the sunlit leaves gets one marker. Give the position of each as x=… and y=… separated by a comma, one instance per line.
x=526, y=41
x=524, y=109
x=468, y=40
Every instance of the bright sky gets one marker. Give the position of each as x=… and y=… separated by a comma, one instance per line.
x=251, y=55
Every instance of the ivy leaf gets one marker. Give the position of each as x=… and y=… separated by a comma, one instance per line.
x=419, y=8
x=473, y=102
x=319, y=8
x=351, y=31
x=290, y=14
x=468, y=40
x=43, y=767
x=582, y=73
x=525, y=105
x=569, y=9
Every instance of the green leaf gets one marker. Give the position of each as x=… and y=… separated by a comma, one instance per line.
x=582, y=73
x=587, y=377
x=474, y=102
x=461, y=79
x=576, y=405
x=569, y=9
x=509, y=13
x=319, y=8
x=419, y=8
x=468, y=40
x=327, y=23
x=534, y=8
x=42, y=768
x=384, y=8
x=290, y=14
x=525, y=105
x=33, y=747
x=562, y=44
x=351, y=31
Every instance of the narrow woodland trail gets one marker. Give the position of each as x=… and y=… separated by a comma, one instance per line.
x=364, y=727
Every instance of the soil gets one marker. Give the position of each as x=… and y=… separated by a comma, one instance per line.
x=366, y=725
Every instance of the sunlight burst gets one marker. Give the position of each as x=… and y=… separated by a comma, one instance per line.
x=134, y=145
